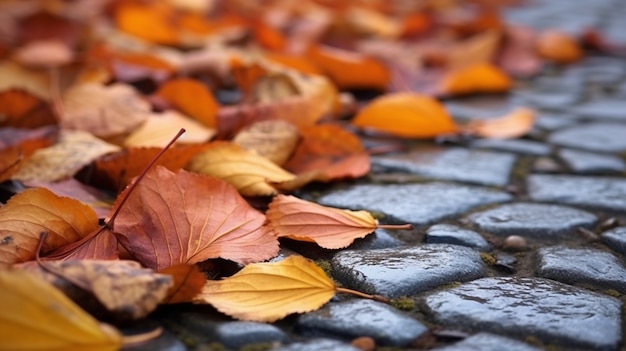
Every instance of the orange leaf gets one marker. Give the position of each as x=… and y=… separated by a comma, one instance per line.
x=558, y=47
x=22, y=109
x=330, y=228
x=406, y=115
x=349, y=70
x=512, y=125
x=274, y=139
x=268, y=37
x=478, y=78
x=192, y=98
x=331, y=151
x=10, y=161
x=299, y=63
x=174, y=218
x=31, y=212
x=188, y=282
x=152, y=21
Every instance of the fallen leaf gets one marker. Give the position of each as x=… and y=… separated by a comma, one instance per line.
x=28, y=140
x=99, y=244
x=44, y=54
x=188, y=282
x=10, y=161
x=158, y=129
x=407, y=115
x=517, y=55
x=297, y=62
x=512, y=125
x=369, y=22
x=192, y=98
x=21, y=109
x=153, y=22
x=247, y=171
x=44, y=25
x=266, y=292
x=330, y=228
x=268, y=37
x=558, y=46
x=174, y=218
x=34, y=211
x=481, y=48
x=478, y=78
x=15, y=76
x=73, y=151
x=272, y=139
x=37, y=316
x=76, y=190
x=132, y=66
x=124, y=288
x=104, y=111
x=330, y=151
x=349, y=70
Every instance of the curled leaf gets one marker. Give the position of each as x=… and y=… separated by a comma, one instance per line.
x=406, y=115
x=37, y=316
x=558, y=47
x=247, y=171
x=267, y=292
x=512, y=125
x=330, y=228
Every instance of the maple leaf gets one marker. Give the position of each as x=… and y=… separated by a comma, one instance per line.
x=267, y=292
x=406, y=115
x=33, y=211
x=247, y=171
x=329, y=227
x=37, y=316
x=174, y=218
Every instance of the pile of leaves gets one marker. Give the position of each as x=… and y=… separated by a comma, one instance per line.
x=113, y=212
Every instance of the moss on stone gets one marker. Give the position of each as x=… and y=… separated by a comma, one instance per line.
x=260, y=346
x=404, y=303
x=613, y=292
x=488, y=258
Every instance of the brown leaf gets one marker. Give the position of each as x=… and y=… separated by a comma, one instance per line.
x=406, y=115
x=10, y=161
x=21, y=109
x=124, y=288
x=76, y=190
x=15, y=76
x=74, y=150
x=272, y=139
x=31, y=212
x=266, y=292
x=174, y=218
x=517, y=55
x=188, y=282
x=558, y=46
x=330, y=228
x=512, y=125
x=104, y=111
x=247, y=171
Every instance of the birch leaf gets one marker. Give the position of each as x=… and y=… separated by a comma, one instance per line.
x=266, y=292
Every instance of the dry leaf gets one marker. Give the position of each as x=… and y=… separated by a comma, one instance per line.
x=158, y=130
x=174, y=218
x=330, y=228
x=330, y=151
x=74, y=150
x=478, y=78
x=15, y=76
x=297, y=62
x=192, y=98
x=34, y=211
x=272, y=139
x=188, y=282
x=517, y=55
x=512, y=125
x=74, y=189
x=124, y=288
x=99, y=244
x=21, y=109
x=153, y=22
x=104, y=111
x=559, y=47
x=37, y=316
x=266, y=292
x=44, y=53
x=406, y=115
x=247, y=171
x=480, y=48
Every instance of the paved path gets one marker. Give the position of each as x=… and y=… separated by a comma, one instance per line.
x=519, y=243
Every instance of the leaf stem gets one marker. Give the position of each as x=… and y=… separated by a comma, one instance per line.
x=130, y=340
x=133, y=186
x=395, y=226
x=363, y=295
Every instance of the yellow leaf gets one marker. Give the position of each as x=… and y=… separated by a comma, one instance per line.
x=37, y=316
x=406, y=115
x=331, y=228
x=247, y=171
x=157, y=131
x=267, y=292
x=274, y=139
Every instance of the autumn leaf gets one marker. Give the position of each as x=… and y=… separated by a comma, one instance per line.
x=174, y=218
x=512, y=125
x=188, y=282
x=104, y=111
x=156, y=131
x=297, y=62
x=74, y=189
x=407, y=115
x=153, y=22
x=331, y=152
x=21, y=109
x=558, y=47
x=517, y=55
x=192, y=98
x=330, y=228
x=37, y=316
x=478, y=78
x=272, y=139
x=266, y=292
x=247, y=171
x=44, y=54
x=73, y=151
x=15, y=76
x=33, y=211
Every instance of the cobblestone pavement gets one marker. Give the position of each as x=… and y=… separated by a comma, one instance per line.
x=518, y=244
